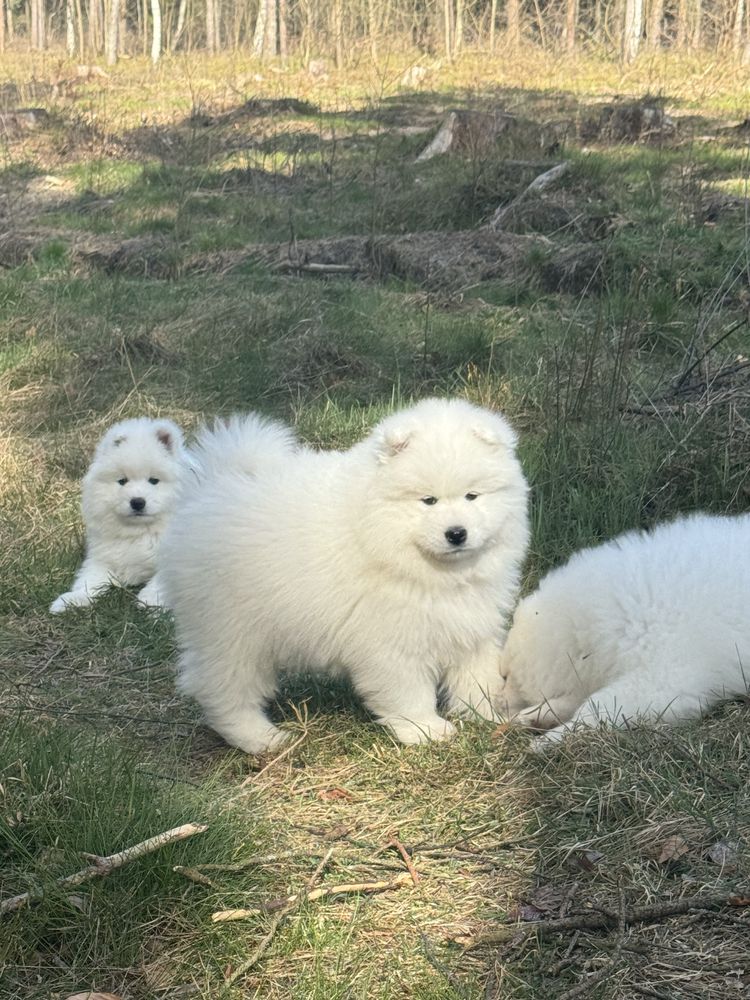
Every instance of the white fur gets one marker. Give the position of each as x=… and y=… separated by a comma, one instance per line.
x=645, y=626
x=286, y=557
x=121, y=542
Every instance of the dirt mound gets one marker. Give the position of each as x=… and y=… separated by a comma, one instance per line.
x=444, y=261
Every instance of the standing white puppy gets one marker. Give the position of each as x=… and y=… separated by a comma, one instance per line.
x=396, y=561
x=128, y=495
x=648, y=625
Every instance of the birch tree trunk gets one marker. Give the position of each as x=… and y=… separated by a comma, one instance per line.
x=259, y=35
x=156, y=31
x=70, y=28
x=631, y=38
x=2, y=25
x=738, y=27
x=112, y=41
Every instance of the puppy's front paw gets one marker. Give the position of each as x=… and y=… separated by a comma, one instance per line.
x=72, y=599
x=546, y=742
x=150, y=596
x=420, y=730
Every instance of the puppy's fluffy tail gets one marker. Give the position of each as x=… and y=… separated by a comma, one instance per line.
x=243, y=443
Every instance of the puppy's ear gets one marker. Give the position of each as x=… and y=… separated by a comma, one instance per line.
x=496, y=433
x=391, y=441
x=165, y=436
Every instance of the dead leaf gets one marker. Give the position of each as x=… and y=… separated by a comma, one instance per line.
x=525, y=912
x=335, y=795
x=585, y=860
x=672, y=849
x=724, y=853
x=501, y=731
x=93, y=995
x=739, y=900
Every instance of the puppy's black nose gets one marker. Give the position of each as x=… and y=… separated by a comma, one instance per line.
x=138, y=503
x=456, y=536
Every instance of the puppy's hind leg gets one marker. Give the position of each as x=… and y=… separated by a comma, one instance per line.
x=232, y=697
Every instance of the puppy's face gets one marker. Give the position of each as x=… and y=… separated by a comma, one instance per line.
x=135, y=474
x=449, y=491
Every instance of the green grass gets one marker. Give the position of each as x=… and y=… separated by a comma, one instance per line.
x=98, y=751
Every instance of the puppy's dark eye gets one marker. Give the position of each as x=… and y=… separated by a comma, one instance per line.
x=430, y=501
x=122, y=481
x=153, y=480
x=471, y=496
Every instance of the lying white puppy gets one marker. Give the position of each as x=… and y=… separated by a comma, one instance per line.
x=128, y=495
x=649, y=625
x=396, y=561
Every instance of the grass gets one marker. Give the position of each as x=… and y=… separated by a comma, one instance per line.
x=618, y=429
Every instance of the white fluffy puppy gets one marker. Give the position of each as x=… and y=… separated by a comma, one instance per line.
x=396, y=561
x=128, y=495
x=649, y=625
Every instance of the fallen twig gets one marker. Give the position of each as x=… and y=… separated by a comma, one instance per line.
x=109, y=863
x=193, y=875
x=325, y=891
x=395, y=842
x=601, y=920
x=277, y=921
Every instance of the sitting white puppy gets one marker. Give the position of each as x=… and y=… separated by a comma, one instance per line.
x=396, y=561
x=128, y=495
x=649, y=625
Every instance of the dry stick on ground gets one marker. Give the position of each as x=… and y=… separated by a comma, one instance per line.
x=395, y=842
x=109, y=863
x=605, y=919
x=283, y=913
x=539, y=184
x=346, y=888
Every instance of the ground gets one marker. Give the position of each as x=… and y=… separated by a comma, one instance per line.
x=156, y=234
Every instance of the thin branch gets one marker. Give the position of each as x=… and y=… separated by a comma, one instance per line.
x=264, y=944
x=220, y=916
x=395, y=842
x=609, y=919
x=111, y=862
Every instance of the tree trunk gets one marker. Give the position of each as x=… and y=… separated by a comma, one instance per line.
x=271, y=39
x=571, y=23
x=181, y=14
x=493, y=23
x=337, y=11
x=156, y=36
x=631, y=39
x=447, y=33
x=513, y=22
x=283, y=17
x=259, y=35
x=70, y=28
x=2, y=25
x=458, y=37
x=739, y=25
x=112, y=45
x=212, y=26
x=655, y=24
x=696, y=35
